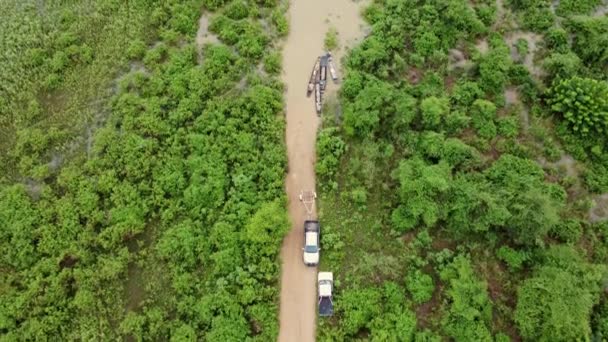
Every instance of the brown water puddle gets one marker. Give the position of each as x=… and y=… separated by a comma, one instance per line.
x=482, y=46
x=512, y=99
x=203, y=36
x=309, y=21
x=601, y=10
x=533, y=40
x=599, y=212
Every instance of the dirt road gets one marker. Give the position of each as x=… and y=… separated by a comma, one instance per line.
x=309, y=20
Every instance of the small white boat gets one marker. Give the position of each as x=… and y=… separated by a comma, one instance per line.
x=332, y=69
x=314, y=77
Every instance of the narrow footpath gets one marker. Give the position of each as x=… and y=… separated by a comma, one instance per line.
x=309, y=21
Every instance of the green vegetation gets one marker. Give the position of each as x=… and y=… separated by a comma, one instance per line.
x=556, y=302
x=141, y=175
x=57, y=72
x=164, y=221
x=466, y=187
x=331, y=39
x=583, y=102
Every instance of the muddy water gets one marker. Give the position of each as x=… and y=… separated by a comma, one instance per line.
x=482, y=46
x=601, y=10
x=533, y=40
x=309, y=20
x=512, y=99
x=599, y=212
x=203, y=36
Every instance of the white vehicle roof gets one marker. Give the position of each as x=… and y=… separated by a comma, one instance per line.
x=325, y=276
x=325, y=290
x=311, y=258
x=311, y=239
x=327, y=279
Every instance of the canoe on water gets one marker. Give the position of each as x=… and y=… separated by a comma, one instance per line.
x=318, y=98
x=323, y=76
x=314, y=77
x=332, y=69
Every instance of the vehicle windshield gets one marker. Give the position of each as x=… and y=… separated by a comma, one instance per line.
x=310, y=249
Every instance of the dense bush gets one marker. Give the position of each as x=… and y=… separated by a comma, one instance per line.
x=422, y=191
x=567, y=7
x=330, y=147
x=476, y=169
x=583, y=103
x=380, y=310
x=470, y=309
x=590, y=40
x=513, y=258
x=163, y=223
x=420, y=285
x=535, y=15
x=556, y=302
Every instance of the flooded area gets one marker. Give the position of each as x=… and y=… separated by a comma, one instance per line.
x=599, y=212
x=458, y=60
x=601, y=10
x=512, y=100
x=203, y=36
x=567, y=164
x=482, y=46
x=309, y=22
x=532, y=40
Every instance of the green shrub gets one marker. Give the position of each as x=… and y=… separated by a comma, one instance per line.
x=590, y=40
x=156, y=55
x=456, y=122
x=136, y=49
x=358, y=307
x=237, y=10
x=568, y=230
x=513, y=258
x=596, y=178
x=213, y=4
x=538, y=19
x=522, y=47
x=563, y=65
x=465, y=93
x=433, y=110
x=582, y=103
x=502, y=337
x=420, y=285
x=330, y=148
x=600, y=321
x=280, y=22
x=556, y=39
x=469, y=313
x=556, y=302
x=359, y=196
x=568, y=7
x=273, y=63
x=421, y=187
x=494, y=66
x=483, y=114
x=331, y=39
x=508, y=126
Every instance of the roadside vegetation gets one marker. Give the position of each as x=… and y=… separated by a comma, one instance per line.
x=462, y=175
x=141, y=192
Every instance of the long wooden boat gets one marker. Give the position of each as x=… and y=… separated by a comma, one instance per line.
x=332, y=68
x=318, y=97
x=323, y=78
x=314, y=77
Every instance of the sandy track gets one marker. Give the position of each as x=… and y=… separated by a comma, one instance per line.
x=308, y=24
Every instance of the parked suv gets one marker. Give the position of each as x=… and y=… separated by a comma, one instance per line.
x=312, y=231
